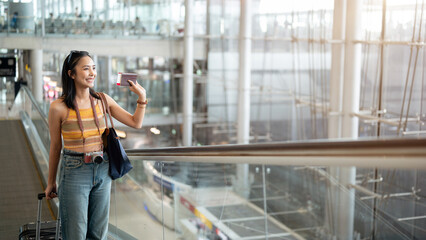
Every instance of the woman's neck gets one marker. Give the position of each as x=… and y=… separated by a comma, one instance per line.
x=82, y=95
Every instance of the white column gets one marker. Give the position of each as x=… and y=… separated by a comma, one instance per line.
x=93, y=13
x=65, y=7
x=351, y=97
x=72, y=7
x=244, y=84
x=129, y=5
x=43, y=17
x=82, y=7
x=36, y=63
x=58, y=5
x=244, y=78
x=109, y=81
x=336, y=72
x=336, y=96
x=188, y=74
x=352, y=74
x=106, y=9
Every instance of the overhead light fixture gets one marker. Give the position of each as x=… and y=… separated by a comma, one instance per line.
x=155, y=130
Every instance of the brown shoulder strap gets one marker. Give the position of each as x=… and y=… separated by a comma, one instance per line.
x=108, y=109
x=95, y=113
x=104, y=111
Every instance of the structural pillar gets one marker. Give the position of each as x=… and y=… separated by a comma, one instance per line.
x=109, y=79
x=188, y=74
x=244, y=85
x=43, y=17
x=82, y=8
x=106, y=3
x=336, y=72
x=350, y=124
x=36, y=64
x=336, y=98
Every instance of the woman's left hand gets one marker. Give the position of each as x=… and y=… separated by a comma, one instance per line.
x=138, y=89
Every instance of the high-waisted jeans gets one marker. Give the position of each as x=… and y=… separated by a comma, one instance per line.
x=84, y=197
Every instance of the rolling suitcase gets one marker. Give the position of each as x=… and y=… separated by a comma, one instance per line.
x=39, y=229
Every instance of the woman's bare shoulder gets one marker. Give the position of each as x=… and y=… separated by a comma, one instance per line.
x=58, y=108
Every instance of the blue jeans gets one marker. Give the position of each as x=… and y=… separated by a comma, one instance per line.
x=84, y=197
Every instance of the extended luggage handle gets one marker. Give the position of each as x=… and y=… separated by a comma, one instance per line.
x=40, y=197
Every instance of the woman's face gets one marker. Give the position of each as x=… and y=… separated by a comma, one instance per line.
x=85, y=73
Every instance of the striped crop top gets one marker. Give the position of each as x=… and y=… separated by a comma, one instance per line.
x=71, y=132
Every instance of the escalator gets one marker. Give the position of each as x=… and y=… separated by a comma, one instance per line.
x=20, y=181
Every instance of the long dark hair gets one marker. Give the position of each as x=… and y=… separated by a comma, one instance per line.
x=68, y=85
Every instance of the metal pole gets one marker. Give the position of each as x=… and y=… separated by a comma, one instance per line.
x=188, y=74
x=244, y=84
x=351, y=96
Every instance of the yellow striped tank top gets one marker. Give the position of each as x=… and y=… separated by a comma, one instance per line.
x=71, y=132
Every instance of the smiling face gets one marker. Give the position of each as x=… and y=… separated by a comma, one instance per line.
x=84, y=73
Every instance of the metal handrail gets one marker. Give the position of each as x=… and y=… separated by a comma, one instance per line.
x=382, y=153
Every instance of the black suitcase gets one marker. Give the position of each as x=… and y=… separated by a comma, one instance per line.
x=39, y=229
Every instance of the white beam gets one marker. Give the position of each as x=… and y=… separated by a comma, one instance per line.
x=126, y=47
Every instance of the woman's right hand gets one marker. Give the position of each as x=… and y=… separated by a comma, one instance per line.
x=50, y=191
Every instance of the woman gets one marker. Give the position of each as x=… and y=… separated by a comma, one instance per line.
x=77, y=116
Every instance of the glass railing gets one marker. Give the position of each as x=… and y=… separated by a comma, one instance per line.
x=35, y=125
x=369, y=189
x=86, y=27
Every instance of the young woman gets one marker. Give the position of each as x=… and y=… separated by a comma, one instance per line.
x=77, y=116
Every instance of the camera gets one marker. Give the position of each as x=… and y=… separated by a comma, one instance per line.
x=97, y=157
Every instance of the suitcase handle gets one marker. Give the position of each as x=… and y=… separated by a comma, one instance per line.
x=41, y=196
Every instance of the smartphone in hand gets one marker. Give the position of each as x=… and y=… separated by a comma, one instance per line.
x=123, y=77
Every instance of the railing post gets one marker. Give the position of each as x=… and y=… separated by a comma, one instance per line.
x=188, y=75
x=244, y=84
